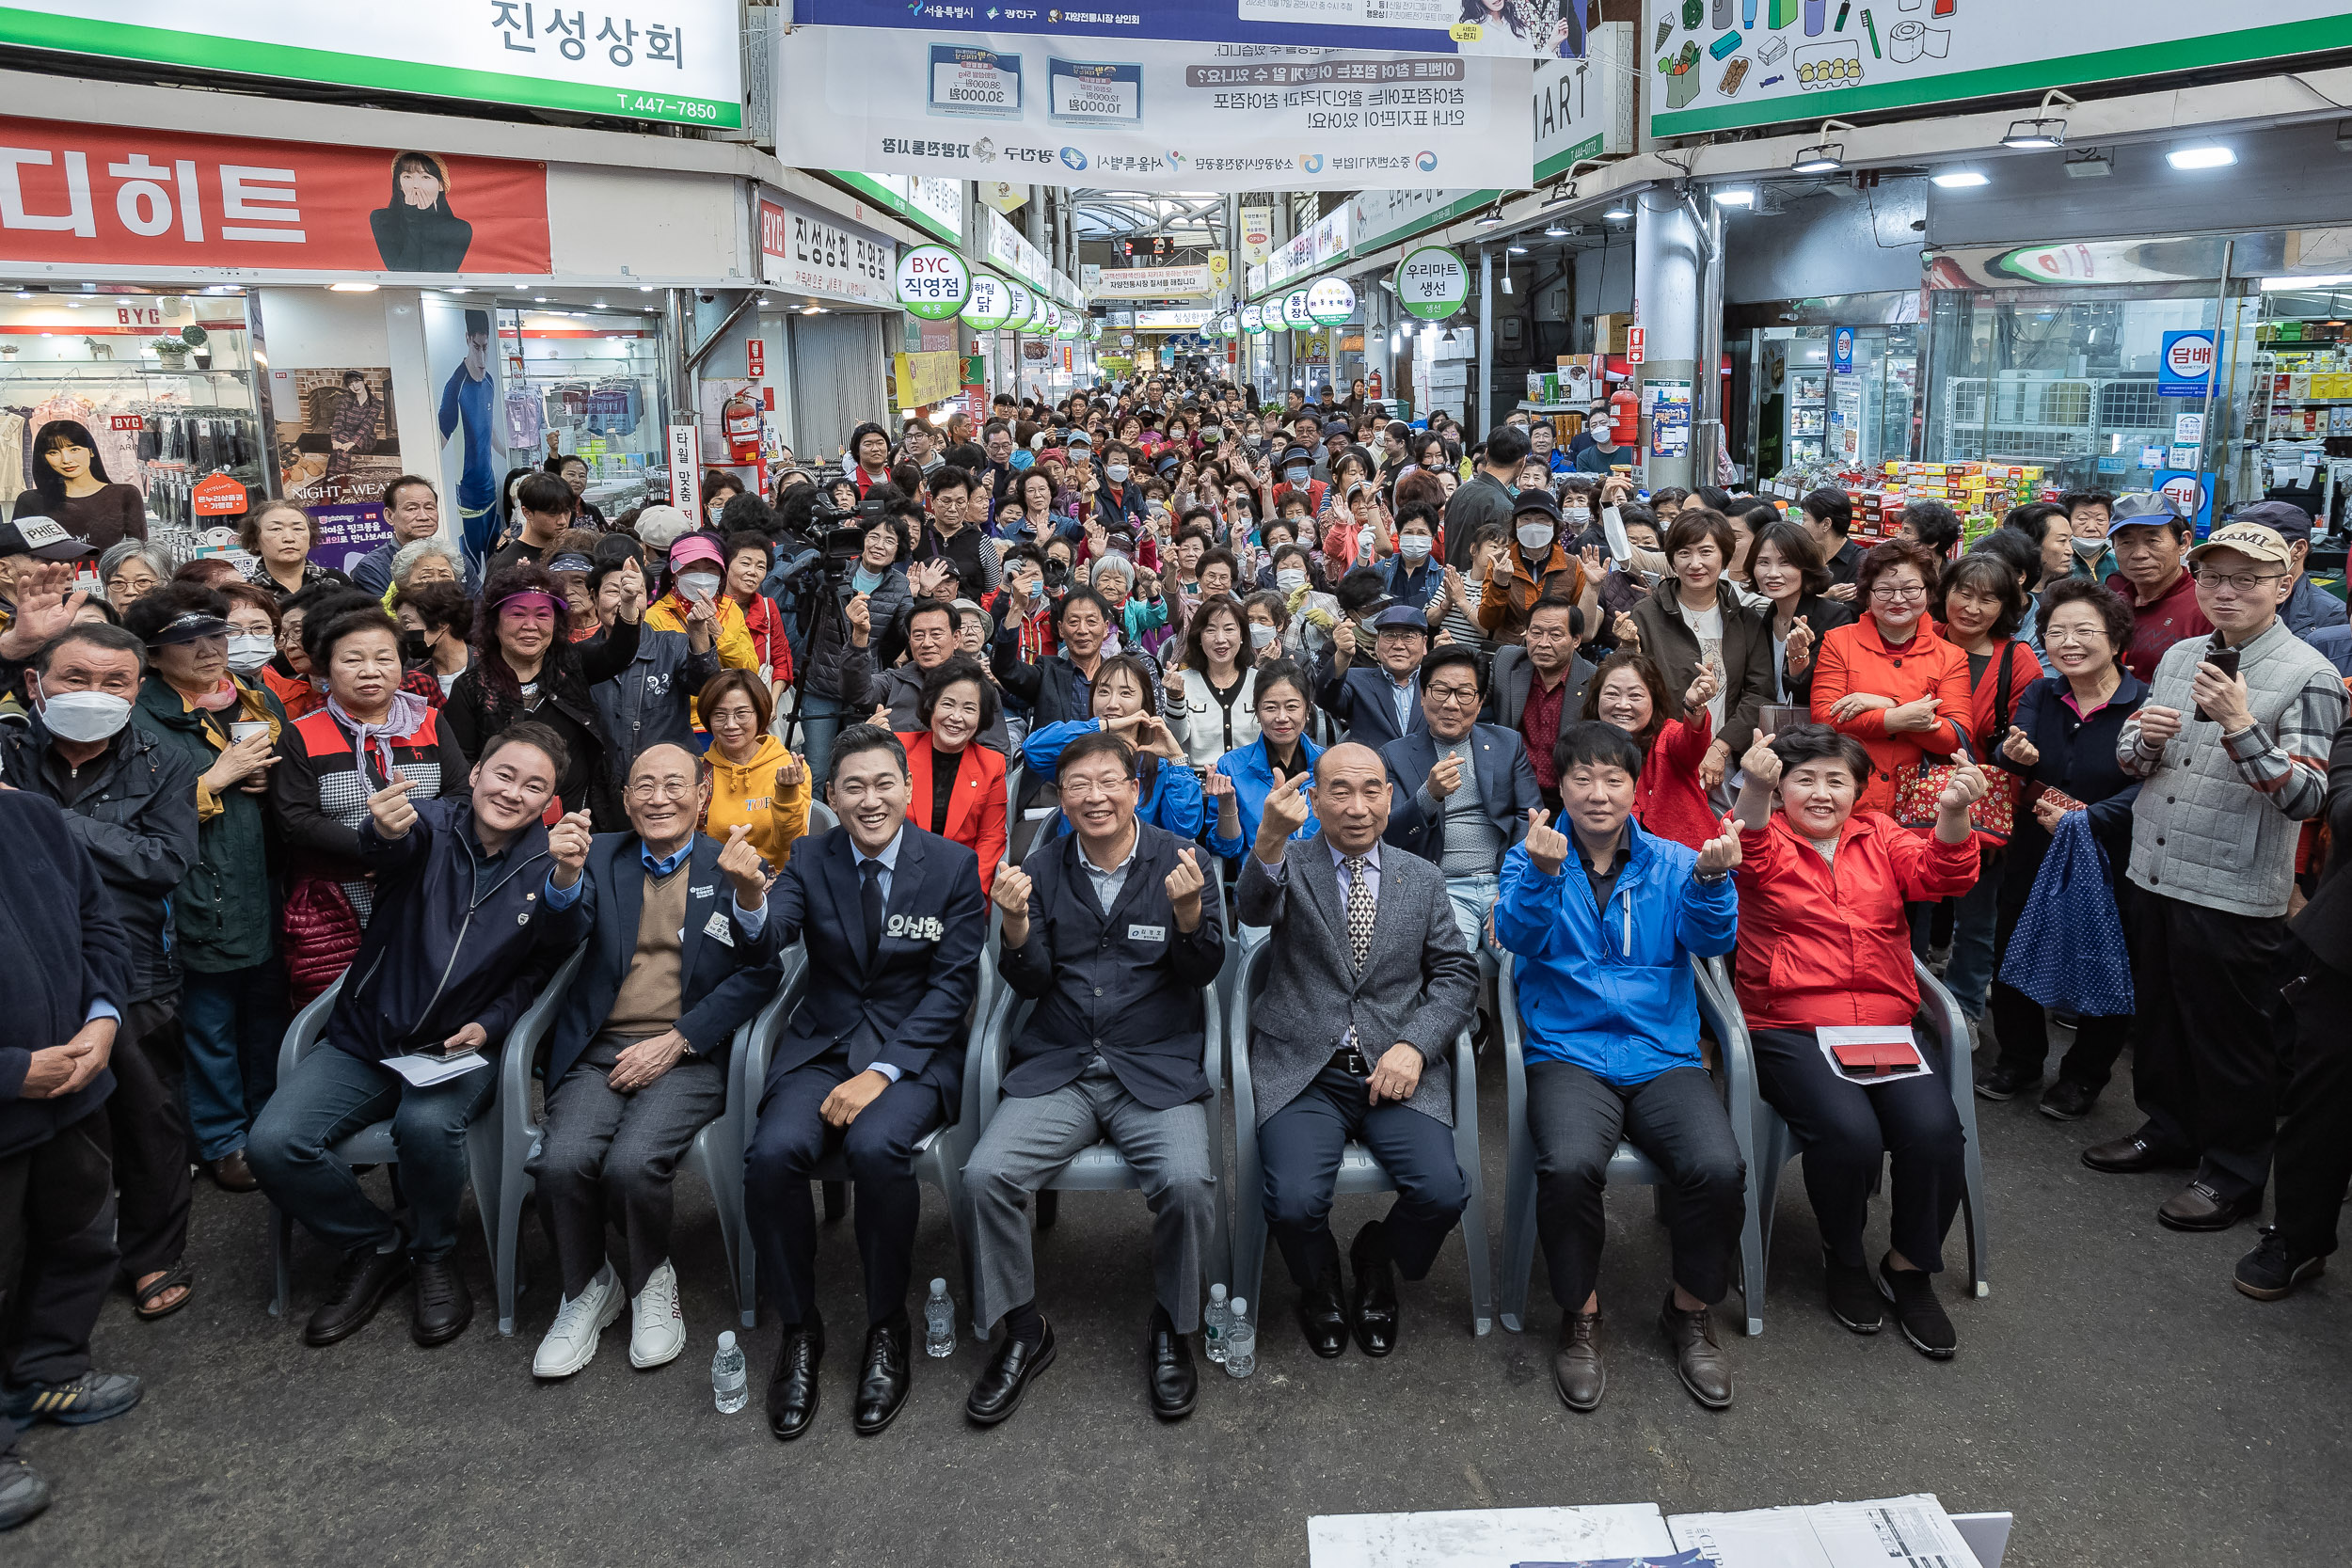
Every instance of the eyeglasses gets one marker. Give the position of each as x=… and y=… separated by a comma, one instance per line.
x=1452, y=693
x=1086, y=789
x=1890, y=594
x=661, y=789
x=2236, y=583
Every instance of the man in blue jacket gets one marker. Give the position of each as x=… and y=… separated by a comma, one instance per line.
x=463, y=938
x=1609, y=1008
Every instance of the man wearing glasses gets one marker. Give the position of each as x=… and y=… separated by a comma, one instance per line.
x=2233, y=746
x=1459, y=791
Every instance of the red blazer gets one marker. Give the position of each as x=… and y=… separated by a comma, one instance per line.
x=975, y=818
x=1854, y=658
x=1822, y=944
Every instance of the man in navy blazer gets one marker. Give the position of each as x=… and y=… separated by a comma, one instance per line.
x=1459, y=791
x=894, y=922
x=680, y=954
x=1104, y=930
x=1378, y=701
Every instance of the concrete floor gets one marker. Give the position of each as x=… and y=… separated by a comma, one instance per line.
x=2112, y=1390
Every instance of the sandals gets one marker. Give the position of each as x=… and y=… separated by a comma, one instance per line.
x=179, y=1276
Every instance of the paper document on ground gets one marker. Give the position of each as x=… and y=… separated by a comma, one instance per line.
x=425, y=1071
x=1485, y=1537
x=1891, y=1532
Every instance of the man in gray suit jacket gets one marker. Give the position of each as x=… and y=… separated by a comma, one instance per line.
x=1369, y=983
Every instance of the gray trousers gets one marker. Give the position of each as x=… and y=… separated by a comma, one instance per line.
x=1032, y=1139
x=608, y=1158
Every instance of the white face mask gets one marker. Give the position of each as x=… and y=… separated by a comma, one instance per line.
x=1534, y=537
x=699, y=585
x=1117, y=472
x=2089, y=549
x=715, y=508
x=1260, y=636
x=1290, y=579
x=249, y=651
x=1414, y=546
x=1576, y=515
x=85, y=716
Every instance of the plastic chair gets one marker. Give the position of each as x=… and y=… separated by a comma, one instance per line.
x=938, y=1158
x=1101, y=1168
x=1628, y=1166
x=1776, y=1145
x=372, y=1144
x=821, y=819
x=1359, y=1171
x=717, y=1149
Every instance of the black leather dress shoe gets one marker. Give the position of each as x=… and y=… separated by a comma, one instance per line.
x=233, y=1174
x=2131, y=1155
x=2197, y=1207
x=1577, y=1372
x=1168, y=1373
x=1698, y=1359
x=792, y=1387
x=998, y=1392
x=1375, y=1313
x=1322, y=1316
x=360, y=1284
x=881, y=1388
x=443, y=1307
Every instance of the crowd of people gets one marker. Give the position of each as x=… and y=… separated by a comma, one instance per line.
x=1112, y=697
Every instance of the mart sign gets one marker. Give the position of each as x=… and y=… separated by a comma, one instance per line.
x=2186, y=368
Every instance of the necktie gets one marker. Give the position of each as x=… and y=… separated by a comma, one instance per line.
x=1359, y=911
x=869, y=897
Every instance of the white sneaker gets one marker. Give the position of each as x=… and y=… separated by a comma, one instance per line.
x=571, y=1342
x=657, y=1328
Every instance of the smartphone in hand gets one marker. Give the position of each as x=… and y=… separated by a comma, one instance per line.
x=2221, y=658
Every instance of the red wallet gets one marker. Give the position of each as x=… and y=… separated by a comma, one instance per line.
x=1880, y=1060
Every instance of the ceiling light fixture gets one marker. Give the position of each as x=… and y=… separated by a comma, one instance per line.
x=1556, y=229
x=1492, y=217
x=1516, y=248
x=1825, y=156
x=2090, y=166
x=353, y=288
x=2204, y=155
x=1959, y=179
x=2044, y=131
x=1736, y=196
x=2270, y=285
x=1618, y=213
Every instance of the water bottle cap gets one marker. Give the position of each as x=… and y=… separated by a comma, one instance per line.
x=727, y=1338
x=939, y=1287
x=1217, y=1292
x=1241, y=1305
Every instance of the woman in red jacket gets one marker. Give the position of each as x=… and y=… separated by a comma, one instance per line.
x=1888, y=680
x=1629, y=692
x=957, y=786
x=1823, y=943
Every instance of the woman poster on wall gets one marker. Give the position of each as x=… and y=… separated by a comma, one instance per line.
x=338, y=447
x=415, y=231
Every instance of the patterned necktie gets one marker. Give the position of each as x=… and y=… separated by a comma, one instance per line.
x=1359, y=910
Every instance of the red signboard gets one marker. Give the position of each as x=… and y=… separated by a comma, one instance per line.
x=1633, y=345
x=106, y=196
x=755, y=359
x=218, y=497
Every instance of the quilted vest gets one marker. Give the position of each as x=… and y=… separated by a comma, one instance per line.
x=2199, y=832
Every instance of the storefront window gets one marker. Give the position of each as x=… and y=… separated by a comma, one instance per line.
x=163, y=384
x=1823, y=409
x=580, y=383
x=2297, y=408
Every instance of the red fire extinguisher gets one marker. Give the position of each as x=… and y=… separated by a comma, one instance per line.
x=740, y=418
x=1375, y=384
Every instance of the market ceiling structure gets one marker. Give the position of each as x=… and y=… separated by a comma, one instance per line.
x=1193, y=219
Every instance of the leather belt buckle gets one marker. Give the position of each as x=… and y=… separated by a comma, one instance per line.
x=1348, y=1059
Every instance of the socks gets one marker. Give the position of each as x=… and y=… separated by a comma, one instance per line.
x=1026, y=1324
x=1162, y=1320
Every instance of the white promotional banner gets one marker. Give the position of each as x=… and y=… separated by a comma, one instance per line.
x=1150, y=115
x=1257, y=235
x=676, y=60
x=813, y=253
x=1008, y=247
x=1150, y=282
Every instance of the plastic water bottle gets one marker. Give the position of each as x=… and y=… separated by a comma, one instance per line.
x=729, y=1389
x=1216, y=1324
x=939, y=1322
x=1241, y=1343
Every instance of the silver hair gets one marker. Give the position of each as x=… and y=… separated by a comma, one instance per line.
x=406, y=557
x=116, y=554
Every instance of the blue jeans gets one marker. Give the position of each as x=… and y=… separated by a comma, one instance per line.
x=1474, y=900
x=334, y=1094
x=1969, y=974
x=231, y=1021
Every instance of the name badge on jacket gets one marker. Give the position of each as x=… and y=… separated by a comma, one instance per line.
x=914, y=927
x=1147, y=933
x=718, y=928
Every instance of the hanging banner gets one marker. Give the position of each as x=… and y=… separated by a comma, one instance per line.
x=1161, y=116
x=1010, y=249
x=676, y=60
x=102, y=197
x=985, y=309
x=1432, y=283
x=1151, y=282
x=928, y=378
x=1257, y=235
x=933, y=283
x=811, y=252
x=1807, y=59
x=1528, y=29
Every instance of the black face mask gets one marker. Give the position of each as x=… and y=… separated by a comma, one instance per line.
x=415, y=647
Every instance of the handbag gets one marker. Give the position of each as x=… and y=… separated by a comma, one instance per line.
x=2068, y=951
x=320, y=936
x=1995, y=816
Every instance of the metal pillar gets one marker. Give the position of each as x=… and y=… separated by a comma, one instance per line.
x=1484, y=415
x=1707, y=435
x=1666, y=290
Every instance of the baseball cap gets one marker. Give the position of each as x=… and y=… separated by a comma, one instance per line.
x=1337, y=427
x=2140, y=509
x=695, y=546
x=1535, y=500
x=1402, y=617
x=2254, y=539
x=2290, y=521
x=570, y=561
x=42, y=538
x=188, y=628
x=661, y=526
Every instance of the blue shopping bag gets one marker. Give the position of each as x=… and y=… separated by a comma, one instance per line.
x=2067, y=952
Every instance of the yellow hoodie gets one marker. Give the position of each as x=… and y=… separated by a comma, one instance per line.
x=745, y=792
x=737, y=651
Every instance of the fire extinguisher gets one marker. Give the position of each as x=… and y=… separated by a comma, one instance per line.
x=1623, y=412
x=1375, y=384
x=740, y=418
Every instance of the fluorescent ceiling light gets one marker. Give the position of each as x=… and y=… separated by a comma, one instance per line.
x=351, y=288
x=1619, y=212
x=1736, y=196
x=1827, y=158
x=2270, y=285
x=1959, y=179
x=2207, y=155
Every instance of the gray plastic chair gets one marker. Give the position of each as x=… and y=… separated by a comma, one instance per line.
x=717, y=1149
x=1628, y=1166
x=1776, y=1145
x=1102, y=1168
x=938, y=1158
x=821, y=819
x=372, y=1145
x=1359, y=1171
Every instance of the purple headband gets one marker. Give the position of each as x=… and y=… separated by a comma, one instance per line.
x=555, y=606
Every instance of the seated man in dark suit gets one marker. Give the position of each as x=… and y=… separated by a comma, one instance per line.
x=1378, y=702
x=1459, y=791
x=637, y=1060
x=1536, y=687
x=1103, y=930
x=1352, y=1038
x=872, y=1061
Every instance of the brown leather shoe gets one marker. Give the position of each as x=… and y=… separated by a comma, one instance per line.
x=2197, y=1207
x=2128, y=1156
x=1576, y=1369
x=1698, y=1359
x=231, y=1174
